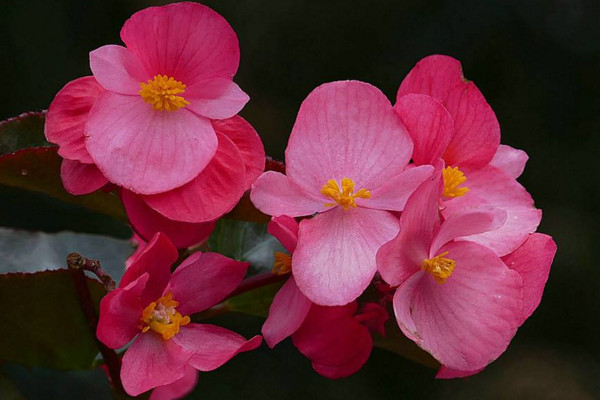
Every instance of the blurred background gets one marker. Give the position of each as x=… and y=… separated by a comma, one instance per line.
x=538, y=65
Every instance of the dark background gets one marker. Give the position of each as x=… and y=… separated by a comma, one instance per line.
x=538, y=65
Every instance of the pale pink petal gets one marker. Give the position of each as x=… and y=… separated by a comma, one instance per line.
x=286, y=314
x=285, y=229
x=335, y=258
x=532, y=261
x=204, y=279
x=186, y=41
x=78, y=178
x=179, y=388
x=490, y=185
x=434, y=75
x=394, y=193
x=468, y=321
x=145, y=150
x=336, y=343
x=212, y=346
x=147, y=222
x=118, y=69
x=512, y=161
x=248, y=143
x=214, y=192
x=447, y=373
x=429, y=124
x=67, y=116
x=275, y=194
x=400, y=258
x=216, y=98
x=151, y=361
x=346, y=129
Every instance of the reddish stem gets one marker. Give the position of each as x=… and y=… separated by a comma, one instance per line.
x=256, y=282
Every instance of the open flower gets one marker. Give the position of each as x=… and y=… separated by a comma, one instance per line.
x=346, y=160
x=153, y=307
x=448, y=118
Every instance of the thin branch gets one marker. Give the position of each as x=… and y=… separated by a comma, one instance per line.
x=77, y=261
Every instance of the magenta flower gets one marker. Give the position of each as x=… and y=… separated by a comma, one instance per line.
x=152, y=307
x=456, y=299
x=346, y=160
x=447, y=117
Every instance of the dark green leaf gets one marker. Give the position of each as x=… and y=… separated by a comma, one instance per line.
x=254, y=302
x=24, y=131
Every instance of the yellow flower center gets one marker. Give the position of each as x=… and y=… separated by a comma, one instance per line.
x=439, y=267
x=162, y=93
x=453, y=178
x=345, y=196
x=282, y=264
x=162, y=317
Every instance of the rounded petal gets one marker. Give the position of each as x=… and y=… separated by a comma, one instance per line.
x=433, y=75
x=212, y=346
x=187, y=41
x=285, y=229
x=532, y=261
x=67, y=116
x=275, y=194
x=204, y=279
x=468, y=321
x=78, y=178
x=394, y=194
x=286, y=314
x=346, y=129
x=147, y=222
x=214, y=192
x=216, y=98
x=429, y=124
x=117, y=69
x=512, y=161
x=177, y=389
x=335, y=258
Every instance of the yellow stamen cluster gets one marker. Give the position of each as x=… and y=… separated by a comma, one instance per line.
x=162, y=317
x=162, y=93
x=282, y=264
x=453, y=178
x=345, y=196
x=439, y=267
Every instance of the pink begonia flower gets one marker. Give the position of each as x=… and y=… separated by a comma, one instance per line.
x=447, y=117
x=456, y=299
x=152, y=307
x=346, y=160
x=335, y=339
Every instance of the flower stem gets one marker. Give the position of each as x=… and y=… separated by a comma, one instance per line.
x=77, y=261
x=256, y=282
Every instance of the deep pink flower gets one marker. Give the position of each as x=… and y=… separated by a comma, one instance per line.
x=456, y=299
x=152, y=306
x=447, y=117
x=346, y=160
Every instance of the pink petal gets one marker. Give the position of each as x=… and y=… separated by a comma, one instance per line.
x=346, y=129
x=434, y=75
x=186, y=41
x=179, y=388
x=118, y=70
x=285, y=229
x=78, y=178
x=144, y=150
x=276, y=194
x=429, y=124
x=156, y=260
x=204, y=279
x=335, y=258
x=151, y=361
x=216, y=98
x=400, y=258
x=532, y=261
x=247, y=141
x=286, y=314
x=512, y=161
x=212, y=346
x=147, y=222
x=120, y=313
x=468, y=321
x=336, y=343
x=68, y=114
x=492, y=186
x=394, y=193
x=447, y=373
x=214, y=192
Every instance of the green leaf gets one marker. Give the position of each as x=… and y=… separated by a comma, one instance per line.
x=8, y=390
x=24, y=131
x=45, y=326
x=255, y=302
